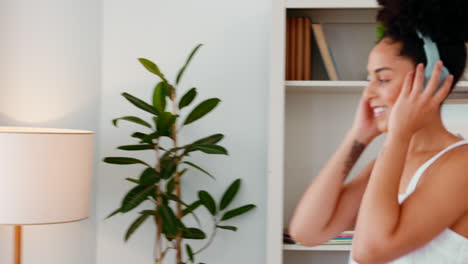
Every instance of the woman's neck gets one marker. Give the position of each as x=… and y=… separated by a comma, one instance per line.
x=432, y=137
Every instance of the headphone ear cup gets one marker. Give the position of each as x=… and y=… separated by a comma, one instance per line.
x=428, y=73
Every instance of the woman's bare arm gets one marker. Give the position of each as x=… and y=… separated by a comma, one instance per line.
x=328, y=206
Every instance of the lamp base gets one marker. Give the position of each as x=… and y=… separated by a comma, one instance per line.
x=18, y=232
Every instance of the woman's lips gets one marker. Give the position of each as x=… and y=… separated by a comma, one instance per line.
x=379, y=110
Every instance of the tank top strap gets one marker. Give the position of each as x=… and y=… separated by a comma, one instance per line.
x=417, y=175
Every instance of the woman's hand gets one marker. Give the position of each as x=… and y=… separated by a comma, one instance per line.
x=414, y=106
x=365, y=125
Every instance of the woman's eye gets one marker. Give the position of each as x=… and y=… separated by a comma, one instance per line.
x=384, y=81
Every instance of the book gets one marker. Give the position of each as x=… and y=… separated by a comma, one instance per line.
x=300, y=49
x=288, y=48
x=293, y=48
x=307, y=50
x=325, y=51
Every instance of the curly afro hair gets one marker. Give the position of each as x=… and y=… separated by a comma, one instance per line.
x=445, y=21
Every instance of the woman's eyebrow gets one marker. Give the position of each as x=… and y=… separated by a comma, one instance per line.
x=382, y=69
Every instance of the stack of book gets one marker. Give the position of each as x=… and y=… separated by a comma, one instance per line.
x=299, y=49
x=345, y=238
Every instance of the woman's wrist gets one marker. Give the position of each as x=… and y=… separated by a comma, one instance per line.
x=356, y=134
x=396, y=136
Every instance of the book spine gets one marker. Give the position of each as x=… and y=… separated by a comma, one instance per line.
x=288, y=48
x=293, y=47
x=325, y=52
x=307, y=50
x=300, y=49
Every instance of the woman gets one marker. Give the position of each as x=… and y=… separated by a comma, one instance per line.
x=410, y=204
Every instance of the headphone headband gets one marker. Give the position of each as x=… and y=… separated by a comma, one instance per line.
x=432, y=56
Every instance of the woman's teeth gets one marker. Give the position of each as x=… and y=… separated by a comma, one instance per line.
x=378, y=111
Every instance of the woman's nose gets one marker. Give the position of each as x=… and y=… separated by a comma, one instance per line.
x=369, y=90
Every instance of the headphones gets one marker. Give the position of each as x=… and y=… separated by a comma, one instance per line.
x=432, y=56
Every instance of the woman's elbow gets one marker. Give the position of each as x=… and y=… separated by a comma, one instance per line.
x=305, y=237
x=366, y=254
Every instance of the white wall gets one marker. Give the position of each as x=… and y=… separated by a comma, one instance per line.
x=49, y=76
x=232, y=65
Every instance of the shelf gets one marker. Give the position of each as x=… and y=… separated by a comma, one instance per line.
x=318, y=248
x=458, y=96
x=331, y=4
x=325, y=86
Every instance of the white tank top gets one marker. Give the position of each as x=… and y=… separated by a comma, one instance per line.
x=448, y=246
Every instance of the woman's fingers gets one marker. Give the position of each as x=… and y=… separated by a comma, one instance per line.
x=418, y=80
x=444, y=90
x=408, y=83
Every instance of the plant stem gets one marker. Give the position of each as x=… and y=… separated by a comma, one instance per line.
x=177, y=184
x=159, y=260
x=210, y=240
x=159, y=253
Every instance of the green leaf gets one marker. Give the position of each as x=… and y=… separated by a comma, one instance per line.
x=149, y=177
x=148, y=212
x=123, y=161
x=168, y=167
x=189, y=210
x=208, y=201
x=191, y=207
x=170, y=186
x=174, y=197
x=181, y=72
x=157, y=134
x=137, y=223
x=232, y=228
x=193, y=233
x=136, y=196
x=133, y=119
x=210, y=149
x=229, y=195
x=165, y=121
x=197, y=167
x=237, y=211
x=152, y=67
x=169, y=219
x=188, y=98
x=113, y=213
x=139, y=135
x=137, y=147
x=159, y=97
x=189, y=252
x=140, y=104
x=182, y=172
x=201, y=110
x=213, y=139
x=133, y=180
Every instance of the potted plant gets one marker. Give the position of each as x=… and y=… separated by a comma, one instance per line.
x=161, y=183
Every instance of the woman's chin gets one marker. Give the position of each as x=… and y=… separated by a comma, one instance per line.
x=382, y=125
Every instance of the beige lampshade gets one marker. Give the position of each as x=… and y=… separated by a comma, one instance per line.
x=45, y=175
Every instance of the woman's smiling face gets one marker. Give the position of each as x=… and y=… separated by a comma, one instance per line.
x=387, y=71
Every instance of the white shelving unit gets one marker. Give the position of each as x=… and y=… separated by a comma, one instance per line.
x=308, y=120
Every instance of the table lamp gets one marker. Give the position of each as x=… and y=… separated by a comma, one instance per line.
x=45, y=177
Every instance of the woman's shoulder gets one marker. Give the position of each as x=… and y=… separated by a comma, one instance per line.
x=459, y=152
x=453, y=161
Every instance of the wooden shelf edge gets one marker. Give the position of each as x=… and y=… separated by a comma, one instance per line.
x=318, y=248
